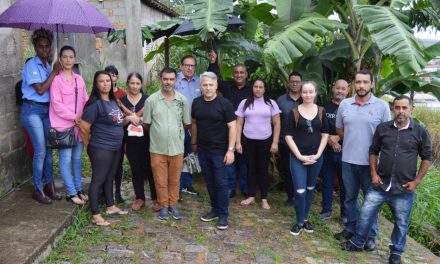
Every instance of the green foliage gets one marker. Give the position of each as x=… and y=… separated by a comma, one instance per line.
x=289, y=12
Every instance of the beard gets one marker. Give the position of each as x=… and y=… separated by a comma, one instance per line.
x=361, y=93
x=168, y=88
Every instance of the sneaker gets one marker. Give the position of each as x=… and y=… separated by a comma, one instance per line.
x=119, y=199
x=343, y=235
x=190, y=190
x=180, y=197
x=296, y=229
x=308, y=227
x=222, y=223
x=370, y=244
x=394, y=259
x=349, y=246
x=326, y=215
x=175, y=213
x=163, y=213
x=209, y=216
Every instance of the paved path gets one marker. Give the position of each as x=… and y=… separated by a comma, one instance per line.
x=254, y=236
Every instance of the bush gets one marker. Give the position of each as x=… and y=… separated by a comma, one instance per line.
x=431, y=120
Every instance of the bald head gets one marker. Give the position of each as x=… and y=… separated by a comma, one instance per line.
x=339, y=90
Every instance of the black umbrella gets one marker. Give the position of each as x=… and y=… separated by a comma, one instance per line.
x=186, y=27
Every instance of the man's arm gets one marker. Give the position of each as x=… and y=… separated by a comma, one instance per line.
x=229, y=156
x=375, y=179
x=194, y=135
x=340, y=132
x=412, y=185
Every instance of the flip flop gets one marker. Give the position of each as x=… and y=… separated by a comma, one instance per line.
x=119, y=212
x=101, y=223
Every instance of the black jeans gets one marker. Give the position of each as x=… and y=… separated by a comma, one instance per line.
x=139, y=158
x=257, y=153
x=285, y=169
x=104, y=165
x=119, y=172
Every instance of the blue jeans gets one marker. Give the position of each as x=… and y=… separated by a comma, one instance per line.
x=240, y=160
x=35, y=119
x=186, y=179
x=400, y=205
x=215, y=173
x=70, y=161
x=356, y=177
x=332, y=164
x=304, y=180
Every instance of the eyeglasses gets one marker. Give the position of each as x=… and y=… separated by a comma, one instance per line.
x=309, y=126
x=189, y=65
x=295, y=82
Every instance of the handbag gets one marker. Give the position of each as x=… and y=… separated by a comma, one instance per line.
x=64, y=139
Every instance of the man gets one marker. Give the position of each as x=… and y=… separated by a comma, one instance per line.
x=235, y=91
x=214, y=133
x=166, y=114
x=332, y=154
x=395, y=177
x=356, y=122
x=286, y=102
x=188, y=84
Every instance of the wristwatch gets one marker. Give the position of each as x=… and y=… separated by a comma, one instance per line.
x=231, y=149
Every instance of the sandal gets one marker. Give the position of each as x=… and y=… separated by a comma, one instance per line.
x=83, y=196
x=248, y=201
x=75, y=199
x=117, y=211
x=101, y=222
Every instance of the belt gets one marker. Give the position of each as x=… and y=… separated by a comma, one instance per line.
x=35, y=103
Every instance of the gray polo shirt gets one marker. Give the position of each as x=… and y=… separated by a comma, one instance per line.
x=359, y=123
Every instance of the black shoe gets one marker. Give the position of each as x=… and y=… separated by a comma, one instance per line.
x=163, y=213
x=296, y=229
x=370, y=245
x=289, y=202
x=245, y=195
x=394, y=259
x=308, y=227
x=49, y=190
x=41, y=197
x=325, y=215
x=180, y=197
x=349, y=246
x=190, y=190
x=343, y=235
x=209, y=216
x=222, y=223
x=119, y=199
x=231, y=194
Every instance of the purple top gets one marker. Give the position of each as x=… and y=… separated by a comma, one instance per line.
x=258, y=118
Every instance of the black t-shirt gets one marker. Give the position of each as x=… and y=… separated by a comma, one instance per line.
x=212, y=118
x=231, y=92
x=331, y=109
x=306, y=140
x=138, y=107
x=106, y=119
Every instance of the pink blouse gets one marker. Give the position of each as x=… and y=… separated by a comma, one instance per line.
x=62, y=102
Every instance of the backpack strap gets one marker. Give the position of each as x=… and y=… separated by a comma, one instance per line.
x=295, y=116
x=320, y=111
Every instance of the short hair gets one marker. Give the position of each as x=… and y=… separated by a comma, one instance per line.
x=402, y=97
x=64, y=48
x=111, y=69
x=295, y=73
x=186, y=57
x=365, y=72
x=240, y=65
x=309, y=82
x=209, y=75
x=42, y=33
x=168, y=70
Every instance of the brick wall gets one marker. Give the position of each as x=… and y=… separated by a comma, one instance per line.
x=114, y=10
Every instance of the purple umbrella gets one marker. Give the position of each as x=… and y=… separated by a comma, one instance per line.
x=67, y=16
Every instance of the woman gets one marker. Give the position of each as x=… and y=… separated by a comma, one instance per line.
x=68, y=95
x=37, y=77
x=259, y=114
x=306, y=136
x=137, y=141
x=101, y=131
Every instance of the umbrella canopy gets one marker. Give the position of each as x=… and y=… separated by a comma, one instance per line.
x=187, y=28
x=75, y=16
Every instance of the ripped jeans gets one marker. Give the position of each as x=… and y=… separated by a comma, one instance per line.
x=304, y=181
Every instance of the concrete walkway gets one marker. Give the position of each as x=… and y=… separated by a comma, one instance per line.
x=28, y=231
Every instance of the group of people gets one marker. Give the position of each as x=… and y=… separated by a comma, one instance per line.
x=234, y=127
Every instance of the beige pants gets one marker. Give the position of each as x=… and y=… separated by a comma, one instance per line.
x=166, y=173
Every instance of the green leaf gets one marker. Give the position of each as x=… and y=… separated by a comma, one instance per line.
x=208, y=16
x=288, y=12
x=173, y=41
x=393, y=36
x=387, y=67
x=433, y=50
x=338, y=49
x=299, y=37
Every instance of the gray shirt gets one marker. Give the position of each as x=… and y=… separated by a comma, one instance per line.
x=359, y=123
x=286, y=104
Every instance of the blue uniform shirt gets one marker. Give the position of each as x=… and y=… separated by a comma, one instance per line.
x=35, y=72
x=190, y=89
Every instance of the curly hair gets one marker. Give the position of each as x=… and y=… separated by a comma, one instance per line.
x=42, y=33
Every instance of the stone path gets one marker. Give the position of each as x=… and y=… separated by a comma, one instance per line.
x=254, y=236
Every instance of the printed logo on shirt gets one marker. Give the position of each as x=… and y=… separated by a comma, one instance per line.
x=116, y=115
x=35, y=73
x=330, y=115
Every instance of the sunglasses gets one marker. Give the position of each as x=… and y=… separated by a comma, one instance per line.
x=309, y=126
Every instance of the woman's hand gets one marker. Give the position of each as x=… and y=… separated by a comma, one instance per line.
x=134, y=119
x=57, y=67
x=274, y=148
x=239, y=147
x=77, y=120
x=307, y=160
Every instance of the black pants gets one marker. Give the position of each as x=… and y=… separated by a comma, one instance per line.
x=284, y=151
x=104, y=165
x=257, y=153
x=139, y=158
x=119, y=172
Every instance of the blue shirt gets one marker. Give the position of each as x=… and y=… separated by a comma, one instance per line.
x=286, y=104
x=189, y=88
x=34, y=71
x=359, y=124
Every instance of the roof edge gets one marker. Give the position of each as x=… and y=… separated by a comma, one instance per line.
x=161, y=7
